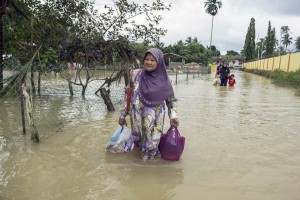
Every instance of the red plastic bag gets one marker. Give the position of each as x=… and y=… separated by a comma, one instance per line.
x=128, y=98
x=171, y=144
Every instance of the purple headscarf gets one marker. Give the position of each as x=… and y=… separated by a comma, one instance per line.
x=155, y=86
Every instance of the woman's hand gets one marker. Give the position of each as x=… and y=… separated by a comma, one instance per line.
x=174, y=122
x=122, y=121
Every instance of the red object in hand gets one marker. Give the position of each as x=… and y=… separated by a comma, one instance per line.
x=128, y=98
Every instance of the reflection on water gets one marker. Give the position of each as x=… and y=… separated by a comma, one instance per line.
x=241, y=143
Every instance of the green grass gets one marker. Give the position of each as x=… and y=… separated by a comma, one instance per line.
x=278, y=77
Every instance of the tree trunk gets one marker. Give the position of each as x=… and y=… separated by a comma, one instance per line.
x=31, y=50
x=70, y=85
x=83, y=90
x=105, y=96
x=32, y=80
x=211, y=31
x=21, y=96
x=39, y=83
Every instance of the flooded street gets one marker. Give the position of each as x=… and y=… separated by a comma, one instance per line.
x=242, y=143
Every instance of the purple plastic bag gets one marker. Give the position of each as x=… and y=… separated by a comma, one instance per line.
x=171, y=144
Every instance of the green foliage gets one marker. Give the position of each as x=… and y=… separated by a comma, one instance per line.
x=232, y=53
x=119, y=20
x=270, y=40
x=191, y=49
x=214, y=51
x=286, y=78
x=279, y=77
x=297, y=43
x=260, y=47
x=75, y=31
x=13, y=26
x=47, y=60
x=249, y=45
x=212, y=6
x=285, y=39
x=76, y=26
x=230, y=56
x=207, y=57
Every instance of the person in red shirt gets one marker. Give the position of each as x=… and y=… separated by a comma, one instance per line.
x=231, y=80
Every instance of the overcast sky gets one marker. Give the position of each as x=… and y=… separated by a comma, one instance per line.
x=188, y=18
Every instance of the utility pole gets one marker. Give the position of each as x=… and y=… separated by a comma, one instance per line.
x=261, y=48
x=257, y=46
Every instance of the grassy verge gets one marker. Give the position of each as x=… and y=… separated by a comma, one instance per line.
x=287, y=79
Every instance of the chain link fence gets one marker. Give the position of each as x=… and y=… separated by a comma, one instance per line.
x=52, y=105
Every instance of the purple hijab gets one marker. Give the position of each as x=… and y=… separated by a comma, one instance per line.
x=155, y=86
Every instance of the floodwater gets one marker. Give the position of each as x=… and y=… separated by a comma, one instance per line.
x=242, y=143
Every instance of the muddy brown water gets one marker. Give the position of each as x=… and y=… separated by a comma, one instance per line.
x=241, y=143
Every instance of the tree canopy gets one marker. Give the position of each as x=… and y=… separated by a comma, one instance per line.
x=74, y=31
x=249, y=45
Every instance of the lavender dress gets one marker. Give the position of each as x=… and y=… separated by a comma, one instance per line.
x=147, y=122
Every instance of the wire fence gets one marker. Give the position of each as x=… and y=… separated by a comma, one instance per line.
x=53, y=106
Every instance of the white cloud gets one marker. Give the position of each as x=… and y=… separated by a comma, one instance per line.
x=187, y=18
x=232, y=21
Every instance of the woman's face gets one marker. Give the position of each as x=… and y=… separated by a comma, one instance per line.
x=150, y=63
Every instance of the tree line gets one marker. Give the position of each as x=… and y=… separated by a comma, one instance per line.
x=268, y=46
x=40, y=35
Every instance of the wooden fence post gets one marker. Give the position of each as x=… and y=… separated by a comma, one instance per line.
x=279, y=62
x=288, y=67
x=30, y=116
x=22, y=104
x=106, y=98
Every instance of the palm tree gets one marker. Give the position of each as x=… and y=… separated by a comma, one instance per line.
x=286, y=40
x=4, y=4
x=297, y=43
x=212, y=7
x=283, y=31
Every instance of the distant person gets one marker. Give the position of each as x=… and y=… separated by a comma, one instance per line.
x=231, y=80
x=224, y=73
x=219, y=66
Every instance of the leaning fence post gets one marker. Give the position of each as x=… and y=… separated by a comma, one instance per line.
x=106, y=98
x=22, y=104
